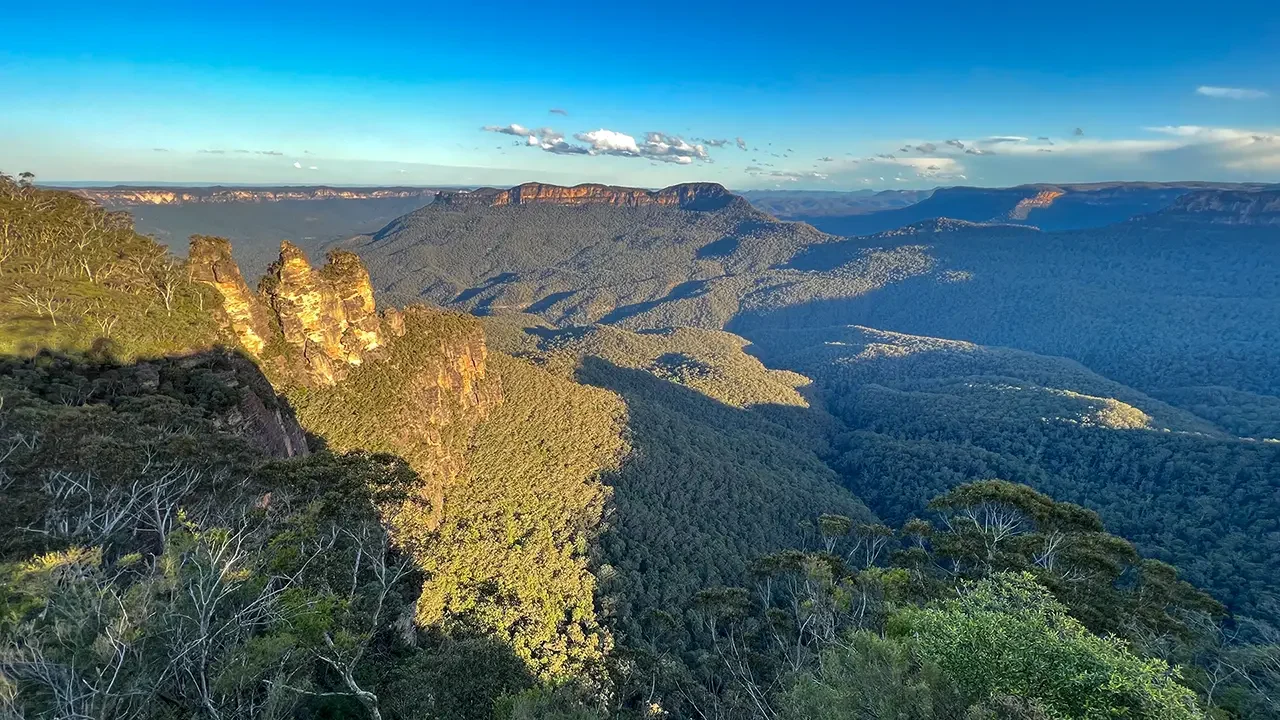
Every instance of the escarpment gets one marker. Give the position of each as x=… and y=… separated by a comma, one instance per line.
x=1040, y=200
x=692, y=196
x=1226, y=207
x=210, y=263
x=124, y=196
x=328, y=315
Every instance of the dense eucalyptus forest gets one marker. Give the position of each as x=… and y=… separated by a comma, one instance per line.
x=594, y=502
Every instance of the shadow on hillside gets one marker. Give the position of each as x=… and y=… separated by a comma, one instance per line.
x=493, y=282
x=1150, y=308
x=684, y=291
x=706, y=489
x=922, y=422
x=113, y=430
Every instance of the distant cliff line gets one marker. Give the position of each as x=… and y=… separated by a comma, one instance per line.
x=695, y=196
x=129, y=196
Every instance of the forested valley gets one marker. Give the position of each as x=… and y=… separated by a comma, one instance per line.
x=933, y=475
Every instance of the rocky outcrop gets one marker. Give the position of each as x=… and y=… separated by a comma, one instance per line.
x=322, y=321
x=260, y=415
x=690, y=196
x=349, y=281
x=447, y=390
x=328, y=315
x=209, y=261
x=412, y=382
x=1040, y=200
x=134, y=196
x=246, y=404
x=1226, y=207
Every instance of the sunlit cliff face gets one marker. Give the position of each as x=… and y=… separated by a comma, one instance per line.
x=1042, y=199
x=327, y=315
x=128, y=197
x=539, y=193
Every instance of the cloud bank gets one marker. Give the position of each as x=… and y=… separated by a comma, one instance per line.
x=656, y=146
x=1231, y=93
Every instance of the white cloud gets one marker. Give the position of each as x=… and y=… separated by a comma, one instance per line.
x=657, y=146
x=610, y=141
x=297, y=165
x=512, y=129
x=544, y=138
x=1231, y=93
x=1168, y=151
x=1199, y=132
x=672, y=148
x=786, y=175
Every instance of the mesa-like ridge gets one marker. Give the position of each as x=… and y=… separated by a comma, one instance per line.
x=686, y=195
x=1226, y=207
x=129, y=196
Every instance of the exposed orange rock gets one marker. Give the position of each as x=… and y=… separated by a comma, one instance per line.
x=1042, y=199
x=326, y=318
x=327, y=314
x=314, y=327
x=132, y=196
x=449, y=392
x=349, y=280
x=209, y=261
x=685, y=195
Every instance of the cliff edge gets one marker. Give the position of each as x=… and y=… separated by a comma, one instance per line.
x=690, y=196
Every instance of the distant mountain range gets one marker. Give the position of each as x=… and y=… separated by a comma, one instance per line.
x=118, y=196
x=256, y=219
x=1048, y=207
x=813, y=206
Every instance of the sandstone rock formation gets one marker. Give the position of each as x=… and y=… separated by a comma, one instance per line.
x=328, y=315
x=1226, y=207
x=444, y=392
x=210, y=262
x=1042, y=199
x=134, y=196
x=324, y=320
x=694, y=196
x=412, y=382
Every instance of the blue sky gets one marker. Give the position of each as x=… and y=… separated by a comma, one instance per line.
x=822, y=96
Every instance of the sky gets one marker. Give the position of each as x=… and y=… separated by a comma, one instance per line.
x=824, y=96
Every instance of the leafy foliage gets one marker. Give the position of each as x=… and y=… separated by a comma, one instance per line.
x=926, y=414
x=158, y=566
x=1007, y=636
x=74, y=276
